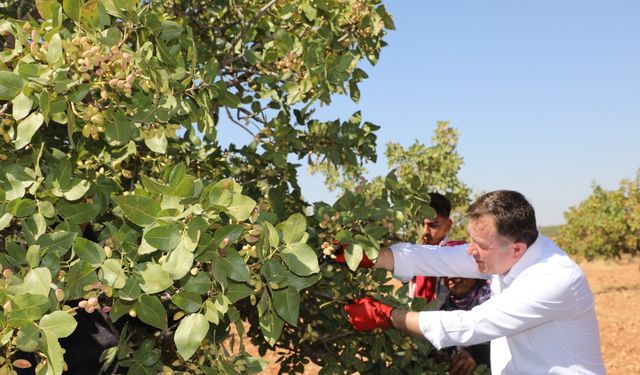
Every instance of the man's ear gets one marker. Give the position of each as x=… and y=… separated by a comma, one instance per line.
x=519, y=249
x=448, y=224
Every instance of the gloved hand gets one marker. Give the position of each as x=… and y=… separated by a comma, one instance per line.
x=366, y=314
x=339, y=256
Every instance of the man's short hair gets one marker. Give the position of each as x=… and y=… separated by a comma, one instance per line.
x=514, y=216
x=441, y=204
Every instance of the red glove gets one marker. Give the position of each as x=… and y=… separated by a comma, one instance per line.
x=339, y=256
x=366, y=314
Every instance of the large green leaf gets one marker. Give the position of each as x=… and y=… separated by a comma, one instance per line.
x=178, y=263
x=189, y=302
x=72, y=8
x=300, y=259
x=38, y=281
x=155, y=278
x=234, y=266
x=28, y=337
x=58, y=242
x=287, y=304
x=151, y=311
x=238, y=291
x=77, y=189
x=163, y=237
x=28, y=306
x=271, y=326
x=27, y=128
x=78, y=213
x=274, y=272
x=112, y=273
x=21, y=207
x=190, y=333
x=89, y=251
x=241, y=207
x=58, y=323
x=54, y=52
x=80, y=275
x=54, y=353
x=293, y=230
x=142, y=211
x=21, y=106
x=10, y=85
x=353, y=255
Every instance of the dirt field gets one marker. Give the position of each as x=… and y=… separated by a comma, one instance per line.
x=616, y=286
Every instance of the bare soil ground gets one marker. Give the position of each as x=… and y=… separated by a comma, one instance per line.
x=616, y=286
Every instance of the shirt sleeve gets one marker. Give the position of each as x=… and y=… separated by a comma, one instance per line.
x=426, y=260
x=532, y=302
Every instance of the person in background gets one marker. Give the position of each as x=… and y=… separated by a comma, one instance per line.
x=454, y=293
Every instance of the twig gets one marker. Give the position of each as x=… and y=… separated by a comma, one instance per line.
x=243, y=126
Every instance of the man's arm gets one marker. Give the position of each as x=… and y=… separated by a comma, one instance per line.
x=406, y=321
x=385, y=260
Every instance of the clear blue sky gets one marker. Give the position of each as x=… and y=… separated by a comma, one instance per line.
x=545, y=94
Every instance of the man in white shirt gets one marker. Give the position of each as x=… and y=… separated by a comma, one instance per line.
x=540, y=318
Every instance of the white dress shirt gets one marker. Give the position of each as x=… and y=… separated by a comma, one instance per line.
x=540, y=318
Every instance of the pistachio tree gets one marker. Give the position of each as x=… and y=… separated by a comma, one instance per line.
x=606, y=224
x=117, y=196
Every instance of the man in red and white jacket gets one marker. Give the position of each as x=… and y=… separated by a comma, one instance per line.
x=435, y=232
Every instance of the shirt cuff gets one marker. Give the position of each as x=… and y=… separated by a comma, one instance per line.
x=430, y=327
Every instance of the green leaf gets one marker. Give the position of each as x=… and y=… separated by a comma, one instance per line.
x=187, y=301
x=157, y=142
x=21, y=207
x=131, y=290
x=241, y=207
x=211, y=312
x=78, y=213
x=77, y=189
x=178, y=263
x=89, y=251
x=28, y=306
x=72, y=9
x=300, y=259
x=190, y=333
x=287, y=304
x=238, y=291
x=58, y=242
x=274, y=272
x=113, y=274
x=232, y=232
x=54, y=52
x=293, y=230
x=10, y=85
x=80, y=275
x=234, y=265
x=271, y=326
x=54, y=353
x=58, y=323
x=142, y=211
x=163, y=237
x=28, y=337
x=301, y=283
x=27, y=128
x=155, y=278
x=119, y=131
x=151, y=311
x=353, y=256
x=21, y=106
x=38, y=281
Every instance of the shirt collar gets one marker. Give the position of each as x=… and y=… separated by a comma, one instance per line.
x=529, y=258
x=444, y=240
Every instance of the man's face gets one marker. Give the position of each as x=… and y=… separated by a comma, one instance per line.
x=435, y=230
x=493, y=253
